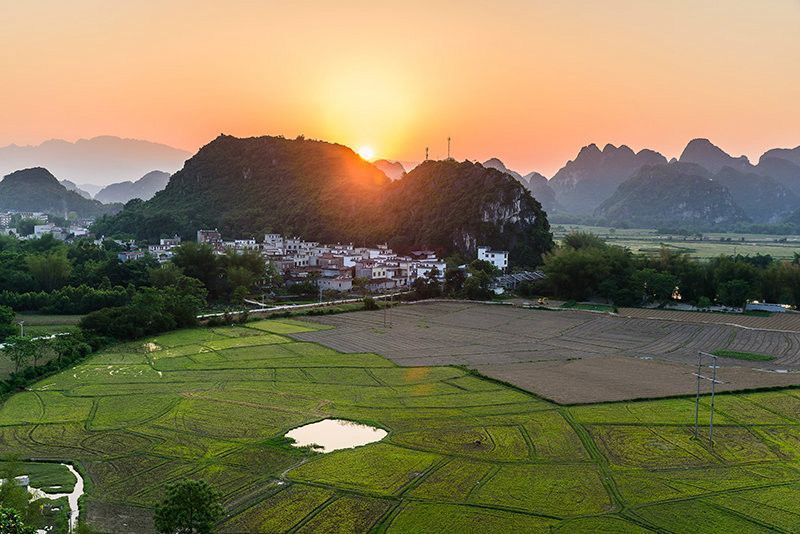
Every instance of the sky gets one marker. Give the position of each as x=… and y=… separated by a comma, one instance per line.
x=527, y=81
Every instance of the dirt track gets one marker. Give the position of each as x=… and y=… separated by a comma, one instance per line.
x=567, y=356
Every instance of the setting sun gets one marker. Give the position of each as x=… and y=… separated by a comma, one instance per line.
x=366, y=152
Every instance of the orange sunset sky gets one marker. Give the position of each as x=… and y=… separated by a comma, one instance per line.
x=527, y=81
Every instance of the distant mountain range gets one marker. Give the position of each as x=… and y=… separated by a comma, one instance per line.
x=593, y=176
x=144, y=188
x=72, y=186
x=595, y=186
x=101, y=160
x=588, y=188
x=671, y=194
x=37, y=190
x=326, y=192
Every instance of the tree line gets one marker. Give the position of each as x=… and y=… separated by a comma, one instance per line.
x=585, y=267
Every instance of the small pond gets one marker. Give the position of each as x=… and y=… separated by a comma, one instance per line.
x=334, y=434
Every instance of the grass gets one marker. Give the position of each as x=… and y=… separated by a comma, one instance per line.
x=463, y=453
x=571, y=305
x=747, y=356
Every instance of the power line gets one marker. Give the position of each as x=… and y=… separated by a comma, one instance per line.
x=714, y=382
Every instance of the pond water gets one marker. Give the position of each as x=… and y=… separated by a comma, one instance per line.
x=72, y=497
x=331, y=435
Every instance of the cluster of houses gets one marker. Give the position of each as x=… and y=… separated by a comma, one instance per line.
x=330, y=267
x=74, y=229
x=334, y=267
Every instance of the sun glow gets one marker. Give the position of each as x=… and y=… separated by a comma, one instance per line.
x=366, y=152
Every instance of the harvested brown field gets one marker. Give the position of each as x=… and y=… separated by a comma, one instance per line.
x=789, y=321
x=566, y=356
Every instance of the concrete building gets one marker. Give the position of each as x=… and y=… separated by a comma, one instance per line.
x=336, y=283
x=211, y=237
x=498, y=258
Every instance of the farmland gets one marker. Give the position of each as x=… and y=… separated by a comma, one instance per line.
x=575, y=356
x=463, y=452
x=712, y=244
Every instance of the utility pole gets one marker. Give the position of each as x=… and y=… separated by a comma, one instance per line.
x=713, y=380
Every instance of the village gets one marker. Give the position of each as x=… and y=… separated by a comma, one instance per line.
x=330, y=267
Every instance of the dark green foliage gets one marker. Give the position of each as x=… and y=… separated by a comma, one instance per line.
x=476, y=286
x=447, y=204
x=454, y=279
x=325, y=192
x=428, y=287
x=227, y=277
x=585, y=267
x=7, y=326
x=191, y=506
x=19, y=350
x=152, y=311
x=370, y=304
x=67, y=300
x=747, y=356
x=11, y=523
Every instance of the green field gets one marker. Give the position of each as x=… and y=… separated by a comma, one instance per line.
x=747, y=356
x=463, y=453
x=712, y=244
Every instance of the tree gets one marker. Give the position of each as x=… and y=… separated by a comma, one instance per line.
x=454, y=280
x=20, y=350
x=198, y=261
x=191, y=506
x=42, y=348
x=50, y=271
x=360, y=284
x=476, y=287
x=582, y=240
x=654, y=285
x=7, y=327
x=735, y=293
x=11, y=523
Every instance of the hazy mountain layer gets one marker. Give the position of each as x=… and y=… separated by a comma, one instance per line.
x=100, y=160
x=144, y=188
x=593, y=176
x=38, y=190
x=674, y=194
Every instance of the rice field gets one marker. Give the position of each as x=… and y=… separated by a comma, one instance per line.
x=711, y=245
x=463, y=453
x=571, y=356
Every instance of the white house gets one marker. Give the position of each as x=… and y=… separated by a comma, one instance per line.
x=498, y=258
x=336, y=283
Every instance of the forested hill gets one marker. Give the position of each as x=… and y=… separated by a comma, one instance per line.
x=250, y=186
x=37, y=190
x=326, y=192
x=677, y=193
x=454, y=205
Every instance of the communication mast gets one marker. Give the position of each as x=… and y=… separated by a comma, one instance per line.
x=448, y=148
x=426, y=153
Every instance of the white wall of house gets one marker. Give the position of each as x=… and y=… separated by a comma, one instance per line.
x=498, y=258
